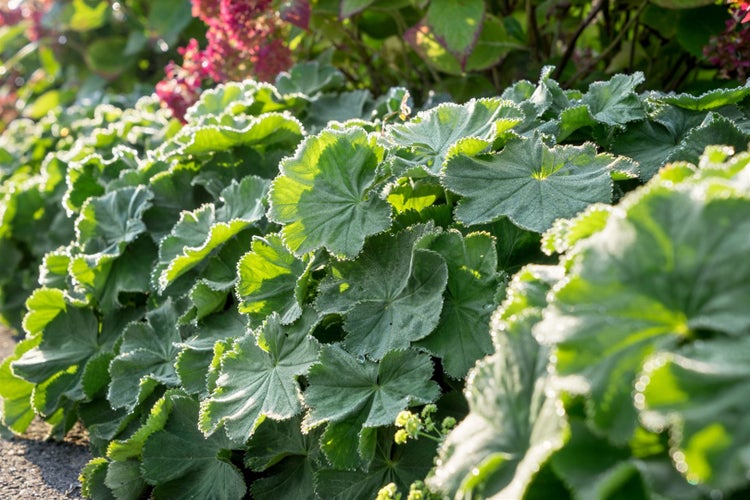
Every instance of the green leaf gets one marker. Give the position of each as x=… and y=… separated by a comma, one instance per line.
x=341, y=385
x=108, y=278
x=389, y=296
x=199, y=233
x=289, y=458
x=428, y=138
x=462, y=336
x=106, y=56
x=529, y=183
x=258, y=378
x=592, y=466
x=402, y=465
x=85, y=15
x=456, y=25
x=700, y=393
x=181, y=463
x=146, y=357
x=516, y=421
x=108, y=223
x=269, y=278
x=565, y=233
x=15, y=393
x=615, y=102
x=271, y=130
x=124, y=480
x=167, y=19
x=348, y=8
x=310, y=78
x=325, y=194
x=193, y=362
x=92, y=479
x=710, y=100
x=715, y=130
x=644, y=283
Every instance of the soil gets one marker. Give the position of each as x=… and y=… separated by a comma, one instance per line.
x=30, y=466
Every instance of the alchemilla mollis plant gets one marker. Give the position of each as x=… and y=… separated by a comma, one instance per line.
x=300, y=291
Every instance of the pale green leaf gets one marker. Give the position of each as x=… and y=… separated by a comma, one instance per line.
x=181, y=463
x=108, y=223
x=529, y=183
x=258, y=377
x=389, y=296
x=428, y=137
x=700, y=393
x=515, y=422
x=462, y=336
x=268, y=279
x=310, y=78
x=342, y=385
x=663, y=269
x=199, y=233
x=325, y=194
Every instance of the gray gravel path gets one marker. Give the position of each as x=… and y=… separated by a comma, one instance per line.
x=31, y=467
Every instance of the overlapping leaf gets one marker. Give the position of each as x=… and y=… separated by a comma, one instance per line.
x=290, y=457
x=325, y=194
x=200, y=232
x=341, y=385
x=146, y=358
x=709, y=447
x=181, y=463
x=428, y=138
x=108, y=223
x=270, y=279
x=197, y=353
x=389, y=296
x=516, y=421
x=401, y=465
x=258, y=377
x=462, y=336
x=662, y=270
x=271, y=130
x=530, y=183
x=70, y=338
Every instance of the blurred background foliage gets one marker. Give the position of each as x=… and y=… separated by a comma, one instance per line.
x=55, y=52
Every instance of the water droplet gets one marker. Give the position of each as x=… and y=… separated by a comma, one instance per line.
x=62, y=39
x=162, y=45
x=360, y=358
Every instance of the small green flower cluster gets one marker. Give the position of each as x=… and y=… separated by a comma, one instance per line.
x=417, y=491
x=413, y=426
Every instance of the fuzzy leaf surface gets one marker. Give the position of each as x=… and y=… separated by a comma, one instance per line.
x=342, y=384
x=529, y=183
x=181, y=463
x=711, y=447
x=662, y=269
x=258, y=377
x=513, y=425
x=462, y=336
x=269, y=277
x=389, y=296
x=429, y=137
x=325, y=197
x=147, y=355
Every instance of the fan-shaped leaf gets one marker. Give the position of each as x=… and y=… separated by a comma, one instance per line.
x=389, y=296
x=325, y=194
x=530, y=183
x=258, y=377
